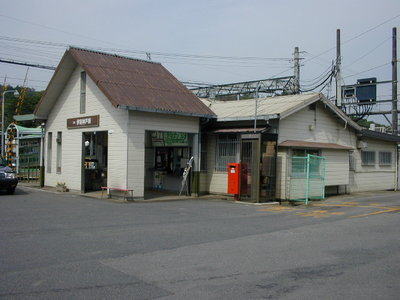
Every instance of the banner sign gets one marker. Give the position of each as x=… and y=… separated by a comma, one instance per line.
x=83, y=122
x=169, y=139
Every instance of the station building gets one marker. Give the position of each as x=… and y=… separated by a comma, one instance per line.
x=126, y=123
x=118, y=122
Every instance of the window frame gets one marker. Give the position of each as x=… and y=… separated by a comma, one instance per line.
x=382, y=161
x=295, y=152
x=59, y=152
x=49, y=151
x=368, y=161
x=226, y=144
x=82, y=101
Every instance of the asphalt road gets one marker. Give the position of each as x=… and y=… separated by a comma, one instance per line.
x=63, y=246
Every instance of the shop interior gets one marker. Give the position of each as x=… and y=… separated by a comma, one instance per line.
x=166, y=156
x=94, y=160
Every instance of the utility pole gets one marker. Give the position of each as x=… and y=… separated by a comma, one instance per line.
x=296, y=70
x=338, y=71
x=395, y=115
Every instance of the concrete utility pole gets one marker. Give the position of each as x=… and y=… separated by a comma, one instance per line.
x=395, y=112
x=296, y=70
x=338, y=71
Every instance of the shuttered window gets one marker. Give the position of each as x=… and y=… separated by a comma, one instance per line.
x=368, y=158
x=385, y=158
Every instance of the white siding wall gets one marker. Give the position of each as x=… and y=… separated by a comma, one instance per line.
x=376, y=177
x=327, y=128
x=67, y=106
x=337, y=167
x=139, y=122
x=320, y=126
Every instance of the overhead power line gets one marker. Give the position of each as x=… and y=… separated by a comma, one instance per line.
x=27, y=64
x=153, y=53
x=355, y=37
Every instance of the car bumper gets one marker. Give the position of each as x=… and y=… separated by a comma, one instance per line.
x=8, y=183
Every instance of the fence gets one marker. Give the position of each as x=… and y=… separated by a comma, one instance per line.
x=29, y=160
x=306, y=178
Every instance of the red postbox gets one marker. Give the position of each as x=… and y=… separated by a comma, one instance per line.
x=234, y=179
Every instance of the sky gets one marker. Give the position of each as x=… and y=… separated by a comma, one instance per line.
x=213, y=42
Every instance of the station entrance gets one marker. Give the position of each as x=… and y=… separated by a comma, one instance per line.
x=166, y=156
x=258, y=167
x=94, y=160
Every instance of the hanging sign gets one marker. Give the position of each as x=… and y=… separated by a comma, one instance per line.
x=83, y=122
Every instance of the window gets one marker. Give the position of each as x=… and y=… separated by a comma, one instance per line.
x=299, y=162
x=59, y=151
x=304, y=152
x=385, y=158
x=49, y=151
x=368, y=158
x=227, y=151
x=83, y=93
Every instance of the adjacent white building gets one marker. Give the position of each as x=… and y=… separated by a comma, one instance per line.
x=356, y=159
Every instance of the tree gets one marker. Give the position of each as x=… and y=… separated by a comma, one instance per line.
x=31, y=99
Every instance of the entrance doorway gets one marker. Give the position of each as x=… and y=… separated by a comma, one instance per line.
x=94, y=160
x=258, y=167
x=166, y=156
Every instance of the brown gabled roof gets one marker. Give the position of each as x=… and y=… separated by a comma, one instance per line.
x=130, y=83
x=139, y=85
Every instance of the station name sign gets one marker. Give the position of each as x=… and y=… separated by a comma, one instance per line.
x=83, y=122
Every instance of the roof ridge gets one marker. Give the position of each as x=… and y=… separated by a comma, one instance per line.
x=112, y=54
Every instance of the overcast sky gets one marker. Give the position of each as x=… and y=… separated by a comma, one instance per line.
x=228, y=28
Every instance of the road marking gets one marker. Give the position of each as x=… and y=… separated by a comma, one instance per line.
x=387, y=210
x=319, y=214
x=277, y=209
x=323, y=213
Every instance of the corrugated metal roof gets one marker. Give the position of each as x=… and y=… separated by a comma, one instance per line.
x=303, y=144
x=127, y=83
x=139, y=85
x=271, y=107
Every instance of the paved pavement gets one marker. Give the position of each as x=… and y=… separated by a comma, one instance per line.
x=65, y=246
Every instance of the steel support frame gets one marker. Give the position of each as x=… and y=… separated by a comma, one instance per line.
x=272, y=86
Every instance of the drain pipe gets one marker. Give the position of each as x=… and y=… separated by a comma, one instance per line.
x=256, y=107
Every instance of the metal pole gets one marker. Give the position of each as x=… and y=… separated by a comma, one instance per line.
x=256, y=108
x=394, y=83
x=42, y=156
x=2, y=118
x=338, y=71
x=2, y=124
